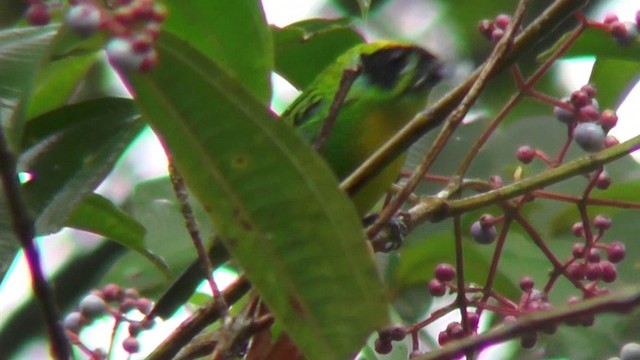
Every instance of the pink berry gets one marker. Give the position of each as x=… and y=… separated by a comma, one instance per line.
x=502, y=21
x=610, y=18
x=577, y=229
x=609, y=272
x=594, y=271
x=437, y=288
x=38, y=14
x=580, y=98
x=608, y=119
x=525, y=154
x=578, y=249
x=526, y=284
x=576, y=271
x=593, y=255
x=131, y=345
x=603, y=181
x=602, y=222
x=616, y=252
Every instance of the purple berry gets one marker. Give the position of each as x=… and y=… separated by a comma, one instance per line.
x=38, y=14
x=483, y=234
x=445, y=272
x=589, y=136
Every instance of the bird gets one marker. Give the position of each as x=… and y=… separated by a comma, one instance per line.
x=392, y=83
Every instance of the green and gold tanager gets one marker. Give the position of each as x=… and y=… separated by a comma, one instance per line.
x=392, y=86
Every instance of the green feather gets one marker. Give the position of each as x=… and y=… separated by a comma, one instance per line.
x=393, y=86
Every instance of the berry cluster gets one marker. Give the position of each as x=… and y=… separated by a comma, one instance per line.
x=494, y=29
x=585, y=263
x=383, y=344
x=109, y=301
x=581, y=113
x=133, y=24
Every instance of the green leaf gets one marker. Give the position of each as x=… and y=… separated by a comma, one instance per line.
x=57, y=81
x=273, y=201
x=234, y=34
x=21, y=52
x=614, y=79
x=99, y=215
x=69, y=151
x=304, y=49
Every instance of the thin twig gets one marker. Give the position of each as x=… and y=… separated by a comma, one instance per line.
x=24, y=229
x=619, y=302
x=347, y=79
x=180, y=189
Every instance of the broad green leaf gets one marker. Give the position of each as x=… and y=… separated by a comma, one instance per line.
x=57, y=81
x=304, y=49
x=100, y=216
x=273, y=201
x=68, y=152
x=234, y=34
x=614, y=79
x=21, y=52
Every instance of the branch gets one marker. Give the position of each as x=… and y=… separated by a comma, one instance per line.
x=24, y=229
x=620, y=302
